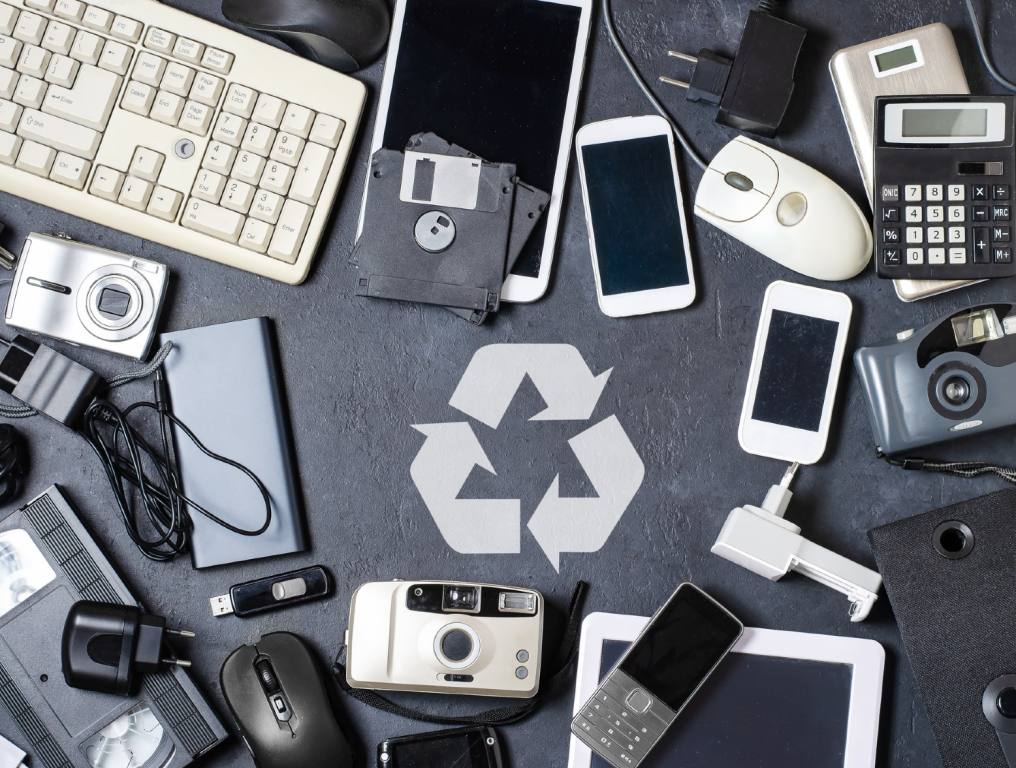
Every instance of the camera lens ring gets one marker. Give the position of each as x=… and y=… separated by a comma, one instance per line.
x=953, y=539
x=957, y=377
x=460, y=630
x=142, y=303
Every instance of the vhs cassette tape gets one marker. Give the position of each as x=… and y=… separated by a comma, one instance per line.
x=49, y=561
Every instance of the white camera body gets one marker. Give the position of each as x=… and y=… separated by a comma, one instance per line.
x=445, y=637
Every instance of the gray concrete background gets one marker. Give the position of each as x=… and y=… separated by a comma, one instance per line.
x=359, y=373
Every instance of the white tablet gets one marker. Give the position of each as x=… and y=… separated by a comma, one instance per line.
x=778, y=699
x=500, y=78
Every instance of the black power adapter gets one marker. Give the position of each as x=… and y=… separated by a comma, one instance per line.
x=753, y=89
x=107, y=648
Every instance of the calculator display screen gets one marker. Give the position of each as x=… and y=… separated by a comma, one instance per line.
x=945, y=123
x=681, y=646
x=899, y=57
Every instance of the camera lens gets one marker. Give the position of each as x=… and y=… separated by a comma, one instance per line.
x=956, y=391
x=456, y=645
x=461, y=599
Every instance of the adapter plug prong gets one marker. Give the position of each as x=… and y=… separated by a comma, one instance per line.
x=181, y=633
x=673, y=81
x=178, y=662
x=683, y=56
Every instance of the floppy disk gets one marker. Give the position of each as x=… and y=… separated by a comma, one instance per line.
x=48, y=561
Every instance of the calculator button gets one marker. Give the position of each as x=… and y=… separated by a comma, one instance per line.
x=957, y=255
x=957, y=192
x=936, y=234
x=890, y=193
x=912, y=193
x=915, y=256
x=957, y=213
x=915, y=235
x=980, y=213
x=981, y=253
x=1000, y=234
x=957, y=234
x=890, y=214
x=1002, y=255
x=1001, y=192
x=913, y=214
x=935, y=214
x=890, y=235
x=891, y=257
x=978, y=191
x=933, y=193
x=1000, y=212
x=936, y=255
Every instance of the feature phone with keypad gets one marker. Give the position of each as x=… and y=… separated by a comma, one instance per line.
x=945, y=167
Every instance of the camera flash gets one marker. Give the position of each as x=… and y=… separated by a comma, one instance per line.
x=517, y=602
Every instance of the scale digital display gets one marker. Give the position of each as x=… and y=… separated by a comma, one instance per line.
x=896, y=58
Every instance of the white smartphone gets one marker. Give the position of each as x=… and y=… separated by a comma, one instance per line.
x=501, y=78
x=638, y=236
x=795, y=372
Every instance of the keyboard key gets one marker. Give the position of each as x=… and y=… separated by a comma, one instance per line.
x=168, y=108
x=957, y=213
x=10, y=52
x=935, y=214
x=249, y=167
x=87, y=47
x=913, y=214
x=207, y=89
x=59, y=133
x=957, y=193
x=73, y=10
x=10, y=116
x=267, y=206
x=269, y=110
x=213, y=220
x=933, y=193
x=30, y=92
x=40, y=5
x=256, y=235
x=116, y=57
x=209, y=186
x=287, y=149
x=290, y=231
x=229, y=129
x=197, y=118
x=258, y=139
x=217, y=61
x=936, y=256
x=59, y=38
x=126, y=29
x=240, y=100
x=160, y=40
x=957, y=255
x=135, y=193
x=915, y=235
x=311, y=173
x=149, y=69
x=70, y=170
x=957, y=234
x=327, y=130
x=915, y=256
x=219, y=158
x=107, y=183
x=138, y=98
x=147, y=164
x=30, y=29
x=8, y=19
x=97, y=18
x=238, y=196
x=298, y=120
x=9, y=147
x=978, y=192
x=178, y=79
x=277, y=178
x=165, y=203
x=36, y=158
x=187, y=50
x=62, y=71
x=34, y=61
x=89, y=102
x=8, y=82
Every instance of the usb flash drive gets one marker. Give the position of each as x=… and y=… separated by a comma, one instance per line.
x=274, y=592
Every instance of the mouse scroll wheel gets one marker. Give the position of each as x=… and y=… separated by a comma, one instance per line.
x=266, y=674
x=739, y=181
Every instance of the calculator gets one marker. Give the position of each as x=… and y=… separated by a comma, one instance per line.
x=944, y=177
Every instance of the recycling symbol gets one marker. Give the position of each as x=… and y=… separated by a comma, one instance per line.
x=559, y=524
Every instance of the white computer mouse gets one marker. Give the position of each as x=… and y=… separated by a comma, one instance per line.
x=785, y=210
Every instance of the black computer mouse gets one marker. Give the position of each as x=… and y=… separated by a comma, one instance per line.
x=346, y=35
x=277, y=696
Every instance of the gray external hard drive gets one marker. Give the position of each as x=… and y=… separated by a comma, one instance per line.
x=225, y=384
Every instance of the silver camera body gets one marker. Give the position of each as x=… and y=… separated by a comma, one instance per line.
x=87, y=296
x=445, y=637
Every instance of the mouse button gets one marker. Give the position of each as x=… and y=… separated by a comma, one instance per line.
x=791, y=210
x=747, y=161
x=717, y=197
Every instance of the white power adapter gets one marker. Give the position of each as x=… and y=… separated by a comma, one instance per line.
x=759, y=539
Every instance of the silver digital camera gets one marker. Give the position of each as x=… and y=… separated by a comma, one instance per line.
x=444, y=637
x=87, y=296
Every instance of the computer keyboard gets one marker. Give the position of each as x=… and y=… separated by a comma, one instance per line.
x=155, y=122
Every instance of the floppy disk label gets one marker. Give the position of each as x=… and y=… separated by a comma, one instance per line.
x=446, y=182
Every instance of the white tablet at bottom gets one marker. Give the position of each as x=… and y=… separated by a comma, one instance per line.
x=779, y=699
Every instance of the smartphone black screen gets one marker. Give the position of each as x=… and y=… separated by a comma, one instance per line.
x=636, y=219
x=682, y=644
x=461, y=748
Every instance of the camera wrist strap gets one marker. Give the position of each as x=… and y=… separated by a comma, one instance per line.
x=566, y=654
x=968, y=469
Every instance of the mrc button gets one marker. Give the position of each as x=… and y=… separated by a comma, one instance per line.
x=638, y=701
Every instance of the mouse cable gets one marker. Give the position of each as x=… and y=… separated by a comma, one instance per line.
x=982, y=48
x=147, y=483
x=615, y=40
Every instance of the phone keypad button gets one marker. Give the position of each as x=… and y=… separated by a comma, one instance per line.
x=638, y=701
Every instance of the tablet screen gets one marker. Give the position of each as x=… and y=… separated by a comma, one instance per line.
x=758, y=711
x=491, y=76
